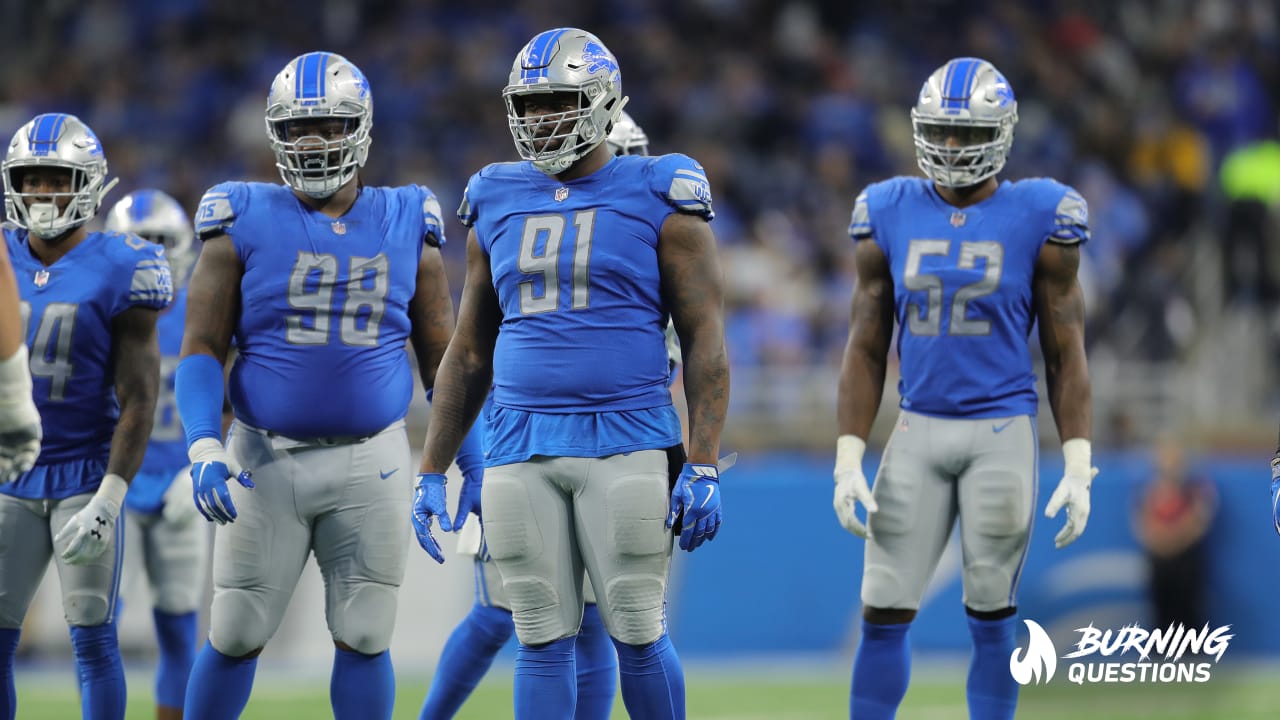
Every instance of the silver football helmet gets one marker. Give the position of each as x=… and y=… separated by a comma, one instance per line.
x=963, y=122
x=319, y=85
x=156, y=217
x=627, y=138
x=61, y=141
x=563, y=60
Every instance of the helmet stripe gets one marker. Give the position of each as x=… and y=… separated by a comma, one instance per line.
x=534, y=63
x=143, y=202
x=309, y=82
x=43, y=137
x=959, y=78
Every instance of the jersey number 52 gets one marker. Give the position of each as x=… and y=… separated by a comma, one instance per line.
x=930, y=323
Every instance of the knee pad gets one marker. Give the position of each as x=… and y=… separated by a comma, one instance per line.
x=536, y=610
x=238, y=623
x=365, y=621
x=883, y=588
x=634, y=612
x=987, y=587
x=177, y=598
x=87, y=607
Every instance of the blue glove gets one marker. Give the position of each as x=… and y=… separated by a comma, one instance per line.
x=211, y=467
x=1275, y=491
x=696, y=497
x=469, y=496
x=429, y=501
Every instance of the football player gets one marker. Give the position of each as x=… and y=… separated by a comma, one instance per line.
x=966, y=264
x=90, y=302
x=19, y=420
x=174, y=548
x=321, y=281
x=575, y=260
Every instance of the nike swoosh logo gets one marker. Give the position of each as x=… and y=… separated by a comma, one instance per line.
x=385, y=475
x=1002, y=426
x=711, y=490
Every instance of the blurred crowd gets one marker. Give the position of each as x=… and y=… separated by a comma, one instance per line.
x=1163, y=113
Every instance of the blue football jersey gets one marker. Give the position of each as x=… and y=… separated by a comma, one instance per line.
x=575, y=269
x=67, y=311
x=324, y=312
x=962, y=288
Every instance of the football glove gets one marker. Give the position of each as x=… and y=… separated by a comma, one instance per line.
x=178, y=508
x=211, y=467
x=696, y=499
x=430, y=501
x=20, y=431
x=851, y=485
x=469, y=497
x=92, y=530
x=1072, y=491
x=1275, y=491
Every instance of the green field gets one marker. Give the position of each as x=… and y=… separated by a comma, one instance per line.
x=757, y=696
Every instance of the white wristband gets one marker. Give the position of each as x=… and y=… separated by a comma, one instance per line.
x=849, y=452
x=15, y=374
x=1077, y=453
x=205, y=449
x=113, y=488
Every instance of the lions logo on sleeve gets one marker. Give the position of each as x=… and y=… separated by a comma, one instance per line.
x=860, y=223
x=687, y=188
x=151, y=285
x=432, y=223
x=1071, y=219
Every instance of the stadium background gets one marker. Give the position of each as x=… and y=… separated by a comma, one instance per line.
x=1163, y=113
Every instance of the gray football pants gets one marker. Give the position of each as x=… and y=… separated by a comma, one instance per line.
x=933, y=471
x=349, y=503
x=548, y=520
x=175, y=558
x=27, y=528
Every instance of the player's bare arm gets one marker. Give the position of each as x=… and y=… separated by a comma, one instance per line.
x=213, y=300
x=431, y=313
x=10, y=320
x=866, y=354
x=136, y=351
x=1059, y=303
x=693, y=290
x=466, y=371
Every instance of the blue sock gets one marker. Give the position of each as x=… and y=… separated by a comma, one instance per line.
x=219, y=685
x=652, y=679
x=597, y=668
x=176, y=635
x=991, y=690
x=8, y=649
x=545, y=687
x=465, y=659
x=362, y=686
x=881, y=670
x=102, y=691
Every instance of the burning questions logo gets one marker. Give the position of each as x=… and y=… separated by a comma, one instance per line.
x=1156, y=656
x=1040, y=657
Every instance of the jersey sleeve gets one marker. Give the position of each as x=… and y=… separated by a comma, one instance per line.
x=682, y=183
x=467, y=209
x=219, y=208
x=150, y=284
x=860, y=223
x=1070, y=219
x=432, y=218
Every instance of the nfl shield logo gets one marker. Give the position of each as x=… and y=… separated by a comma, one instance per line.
x=957, y=219
x=42, y=278
x=339, y=227
x=561, y=194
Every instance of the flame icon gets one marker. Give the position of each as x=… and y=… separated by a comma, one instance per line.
x=1040, y=656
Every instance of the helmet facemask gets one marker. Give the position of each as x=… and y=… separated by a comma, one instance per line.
x=555, y=141
x=963, y=152
x=48, y=214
